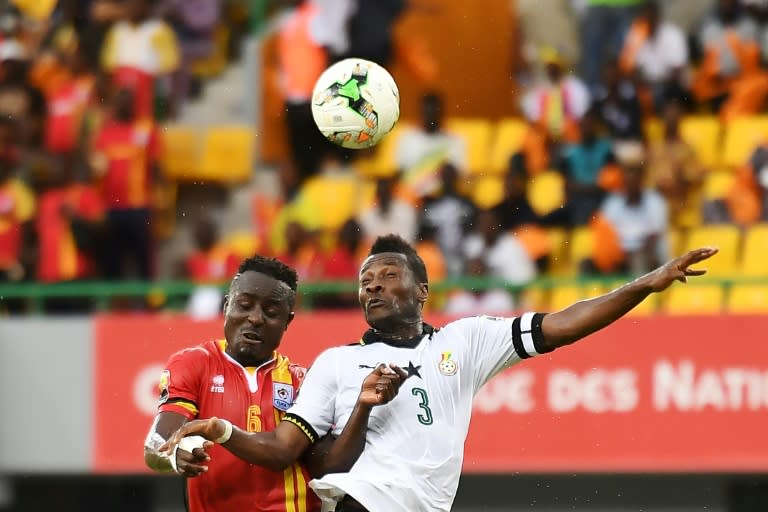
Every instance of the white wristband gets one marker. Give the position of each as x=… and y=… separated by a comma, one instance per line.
x=172, y=459
x=227, y=432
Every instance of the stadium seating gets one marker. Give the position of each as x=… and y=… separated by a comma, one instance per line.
x=559, y=257
x=748, y=299
x=330, y=200
x=563, y=296
x=703, y=135
x=693, y=299
x=580, y=248
x=381, y=161
x=477, y=134
x=717, y=184
x=546, y=191
x=741, y=137
x=508, y=140
x=487, y=191
x=228, y=154
x=726, y=238
x=755, y=252
x=180, y=157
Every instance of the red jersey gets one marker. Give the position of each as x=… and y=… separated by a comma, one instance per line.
x=129, y=149
x=60, y=259
x=204, y=381
x=214, y=266
x=66, y=105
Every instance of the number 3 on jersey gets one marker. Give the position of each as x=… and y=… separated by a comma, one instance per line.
x=426, y=417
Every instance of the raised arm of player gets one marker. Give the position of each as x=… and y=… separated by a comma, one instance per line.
x=585, y=317
x=281, y=447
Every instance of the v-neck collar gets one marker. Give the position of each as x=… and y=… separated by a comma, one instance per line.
x=373, y=336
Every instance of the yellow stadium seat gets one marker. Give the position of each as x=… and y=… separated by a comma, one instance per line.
x=546, y=191
x=693, y=300
x=243, y=243
x=703, y=135
x=654, y=129
x=717, y=184
x=180, y=146
x=726, y=238
x=477, y=134
x=558, y=256
x=330, y=200
x=753, y=257
x=382, y=160
x=580, y=248
x=748, y=299
x=676, y=240
x=228, y=154
x=563, y=296
x=508, y=140
x=742, y=135
x=534, y=298
x=488, y=191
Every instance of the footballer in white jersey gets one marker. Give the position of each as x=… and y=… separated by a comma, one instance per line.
x=414, y=448
x=414, y=445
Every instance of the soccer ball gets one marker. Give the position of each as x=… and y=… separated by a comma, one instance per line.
x=355, y=103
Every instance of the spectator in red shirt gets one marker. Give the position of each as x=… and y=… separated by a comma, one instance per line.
x=68, y=221
x=17, y=207
x=126, y=154
x=343, y=264
x=211, y=261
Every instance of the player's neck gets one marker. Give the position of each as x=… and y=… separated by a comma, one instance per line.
x=401, y=333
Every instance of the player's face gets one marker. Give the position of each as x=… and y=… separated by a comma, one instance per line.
x=388, y=293
x=256, y=314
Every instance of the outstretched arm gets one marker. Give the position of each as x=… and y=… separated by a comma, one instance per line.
x=278, y=449
x=585, y=317
x=187, y=464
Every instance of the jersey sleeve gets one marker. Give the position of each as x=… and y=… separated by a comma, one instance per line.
x=180, y=382
x=313, y=411
x=497, y=343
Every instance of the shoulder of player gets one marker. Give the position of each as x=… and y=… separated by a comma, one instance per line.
x=469, y=324
x=197, y=353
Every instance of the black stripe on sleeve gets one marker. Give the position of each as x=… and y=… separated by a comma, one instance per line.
x=517, y=340
x=303, y=425
x=538, y=335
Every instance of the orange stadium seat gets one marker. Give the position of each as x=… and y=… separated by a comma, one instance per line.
x=477, y=134
x=180, y=151
x=748, y=299
x=488, y=191
x=693, y=299
x=546, y=191
x=703, y=134
x=508, y=139
x=753, y=257
x=742, y=135
x=726, y=238
x=228, y=154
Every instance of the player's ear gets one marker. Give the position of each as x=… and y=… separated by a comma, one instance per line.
x=423, y=293
x=225, y=304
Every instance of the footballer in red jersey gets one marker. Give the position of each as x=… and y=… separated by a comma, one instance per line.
x=243, y=379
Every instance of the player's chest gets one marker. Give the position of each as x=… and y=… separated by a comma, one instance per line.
x=253, y=402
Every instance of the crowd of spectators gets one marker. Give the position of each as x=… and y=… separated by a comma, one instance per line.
x=84, y=86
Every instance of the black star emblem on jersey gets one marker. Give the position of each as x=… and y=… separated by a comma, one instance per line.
x=413, y=370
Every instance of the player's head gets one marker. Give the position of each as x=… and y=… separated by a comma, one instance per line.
x=393, y=284
x=258, y=309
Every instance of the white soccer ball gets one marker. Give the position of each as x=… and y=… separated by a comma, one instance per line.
x=355, y=103
x=189, y=443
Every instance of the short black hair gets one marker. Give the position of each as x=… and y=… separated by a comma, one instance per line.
x=271, y=267
x=395, y=243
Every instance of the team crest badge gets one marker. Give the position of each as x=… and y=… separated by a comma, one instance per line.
x=165, y=382
x=282, y=396
x=447, y=366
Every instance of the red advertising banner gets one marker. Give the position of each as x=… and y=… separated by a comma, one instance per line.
x=646, y=394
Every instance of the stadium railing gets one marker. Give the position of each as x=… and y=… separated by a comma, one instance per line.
x=172, y=295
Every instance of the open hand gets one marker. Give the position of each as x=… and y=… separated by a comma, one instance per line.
x=678, y=269
x=382, y=385
x=211, y=429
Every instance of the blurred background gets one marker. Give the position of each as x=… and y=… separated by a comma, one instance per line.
x=548, y=150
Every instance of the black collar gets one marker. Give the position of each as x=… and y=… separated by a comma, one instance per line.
x=373, y=336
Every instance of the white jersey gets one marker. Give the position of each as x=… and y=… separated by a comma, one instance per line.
x=415, y=444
